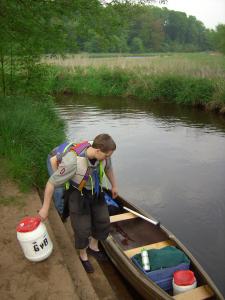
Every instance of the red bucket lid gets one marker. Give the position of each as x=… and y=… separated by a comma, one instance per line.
x=28, y=224
x=184, y=277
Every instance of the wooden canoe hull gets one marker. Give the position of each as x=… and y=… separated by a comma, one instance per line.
x=134, y=233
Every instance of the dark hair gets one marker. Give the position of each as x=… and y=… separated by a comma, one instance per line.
x=104, y=142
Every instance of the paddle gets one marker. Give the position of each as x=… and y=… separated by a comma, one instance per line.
x=156, y=223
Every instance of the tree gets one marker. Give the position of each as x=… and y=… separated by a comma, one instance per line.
x=136, y=45
x=176, y=26
x=30, y=28
x=220, y=38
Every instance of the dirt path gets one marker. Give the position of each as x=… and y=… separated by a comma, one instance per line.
x=61, y=276
x=20, y=278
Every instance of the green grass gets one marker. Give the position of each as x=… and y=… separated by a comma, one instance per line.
x=29, y=130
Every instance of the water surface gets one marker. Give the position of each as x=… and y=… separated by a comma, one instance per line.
x=169, y=161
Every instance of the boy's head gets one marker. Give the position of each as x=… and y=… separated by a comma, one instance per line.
x=104, y=145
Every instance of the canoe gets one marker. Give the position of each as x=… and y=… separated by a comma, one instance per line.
x=132, y=229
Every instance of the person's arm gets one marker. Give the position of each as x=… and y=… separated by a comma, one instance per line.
x=49, y=190
x=65, y=171
x=110, y=175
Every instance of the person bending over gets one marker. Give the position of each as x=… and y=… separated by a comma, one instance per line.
x=84, y=166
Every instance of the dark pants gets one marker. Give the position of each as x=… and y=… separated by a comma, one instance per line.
x=89, y=217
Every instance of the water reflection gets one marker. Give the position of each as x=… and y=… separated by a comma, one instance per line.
x=170, y=161
x=165, y=115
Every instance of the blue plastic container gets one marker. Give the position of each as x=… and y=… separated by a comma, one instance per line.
x=162, y=277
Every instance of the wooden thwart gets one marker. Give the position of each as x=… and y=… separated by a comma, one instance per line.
x=132, y=252
x=122, y=217
x=200, y=293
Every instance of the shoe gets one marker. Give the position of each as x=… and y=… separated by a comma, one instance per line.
x=87, y=266
x=99, y=255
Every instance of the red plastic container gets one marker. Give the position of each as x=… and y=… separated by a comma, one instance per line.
x=34, y=239
x=184, y=277
x=28, y=224
x=183, y=281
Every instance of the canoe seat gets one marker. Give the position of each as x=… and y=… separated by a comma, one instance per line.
x=200, y=293
x=132, y=252
x=122, y=217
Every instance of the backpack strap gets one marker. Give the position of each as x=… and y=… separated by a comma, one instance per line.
x=78, y=148
x=84, y=180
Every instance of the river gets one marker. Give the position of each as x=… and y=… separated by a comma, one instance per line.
x=170, y=161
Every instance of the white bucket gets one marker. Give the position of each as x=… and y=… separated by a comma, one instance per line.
x=183, y=281
x=34, y=239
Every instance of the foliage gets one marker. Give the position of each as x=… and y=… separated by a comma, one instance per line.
x=220, y=38
x=95, y=26
x=168, y=87
x=136, y=45
x=29, y=130
x=196, y=91
x=147, y=28
x=30, y=28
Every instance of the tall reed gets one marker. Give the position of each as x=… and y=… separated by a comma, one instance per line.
x=204, y=65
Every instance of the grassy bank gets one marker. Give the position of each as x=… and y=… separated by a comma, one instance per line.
x=29, y=130
x=196, y=79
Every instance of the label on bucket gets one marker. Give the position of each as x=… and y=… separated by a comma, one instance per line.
x=38, y=249
x=41, y=244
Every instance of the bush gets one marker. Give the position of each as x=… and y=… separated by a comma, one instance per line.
x=99, y=82
x=29, y=130
x=195, y=91
x=167, y=88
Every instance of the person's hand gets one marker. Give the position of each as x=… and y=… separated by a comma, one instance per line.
x=114, y=192
x=43, y=214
